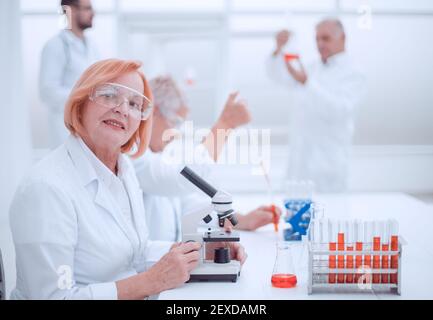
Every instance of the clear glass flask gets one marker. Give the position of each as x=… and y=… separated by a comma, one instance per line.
x=283, y=275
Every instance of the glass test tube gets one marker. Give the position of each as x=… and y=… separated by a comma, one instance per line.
x=378, y=231
x=341, y=247
x=394, y=247
x=312, y=236
x=358, y=237
x=323, y=239
x=368, y=235
x=385, y=247
x=332, y=238
x=318, y=211
x=323, y=231
x=349, y=247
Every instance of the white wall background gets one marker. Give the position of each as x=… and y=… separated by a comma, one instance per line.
x=395, y=56
x=16, y=154
x=226, y=42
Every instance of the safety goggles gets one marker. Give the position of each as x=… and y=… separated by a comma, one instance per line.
x=113, y=95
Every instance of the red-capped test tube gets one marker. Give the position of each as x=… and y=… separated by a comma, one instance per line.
x=385, y=247
x=393, y=230
x=349, y=247
x=341, y=247
x=368, y=245
x=332, y=238
x=378, y=231
x=358, y=237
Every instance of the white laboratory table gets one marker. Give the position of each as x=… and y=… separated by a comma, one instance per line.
x=416, y=226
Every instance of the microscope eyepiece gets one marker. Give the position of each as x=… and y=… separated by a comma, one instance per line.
x=195, y=179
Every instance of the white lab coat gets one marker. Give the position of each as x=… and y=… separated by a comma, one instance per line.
x=321, y=120
x=64, y=58
x=167, y=195
x=65, y=223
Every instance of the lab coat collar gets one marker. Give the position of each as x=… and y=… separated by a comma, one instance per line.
x=89, y=167
x=85, y=170
x=101, y=170
x=338, y=58
x=71, y=38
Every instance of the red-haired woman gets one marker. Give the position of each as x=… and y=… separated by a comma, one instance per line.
x=78, y=220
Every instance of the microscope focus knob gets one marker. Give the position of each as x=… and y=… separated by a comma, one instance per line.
x=222, y=255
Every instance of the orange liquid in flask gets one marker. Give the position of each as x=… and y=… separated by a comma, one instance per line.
x=285, y=280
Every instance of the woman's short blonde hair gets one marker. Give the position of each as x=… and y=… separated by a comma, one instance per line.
x=97, y=74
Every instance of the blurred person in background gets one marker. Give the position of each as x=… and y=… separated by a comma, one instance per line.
x=326, y=95
x=64, y=58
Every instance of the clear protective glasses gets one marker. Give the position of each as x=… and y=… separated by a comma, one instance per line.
x=113, y=95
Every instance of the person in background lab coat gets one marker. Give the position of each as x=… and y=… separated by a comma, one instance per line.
x=326, y=96
x=164, y=212
x=63, y=60
x=78, y=221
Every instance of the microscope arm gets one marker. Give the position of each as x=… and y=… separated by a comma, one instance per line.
x=221, y=200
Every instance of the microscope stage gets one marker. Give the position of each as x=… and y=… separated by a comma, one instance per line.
x=218, y=236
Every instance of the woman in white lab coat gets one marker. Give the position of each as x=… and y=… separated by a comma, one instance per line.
x=78, y=220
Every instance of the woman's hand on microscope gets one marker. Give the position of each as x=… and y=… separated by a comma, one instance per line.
x=171, y=271
x=237, y=251
x=174, y=268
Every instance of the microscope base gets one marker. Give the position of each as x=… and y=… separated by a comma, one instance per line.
x=214, y=272
x=213, y=278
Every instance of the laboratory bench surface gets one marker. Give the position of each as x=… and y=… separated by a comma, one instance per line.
x=415, y=222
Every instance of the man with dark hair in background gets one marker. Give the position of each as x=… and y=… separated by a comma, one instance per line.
x=64, y=58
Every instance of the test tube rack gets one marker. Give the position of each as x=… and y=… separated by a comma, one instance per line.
x=318, y=271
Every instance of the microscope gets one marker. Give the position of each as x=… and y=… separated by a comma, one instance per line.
x=221, y=268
